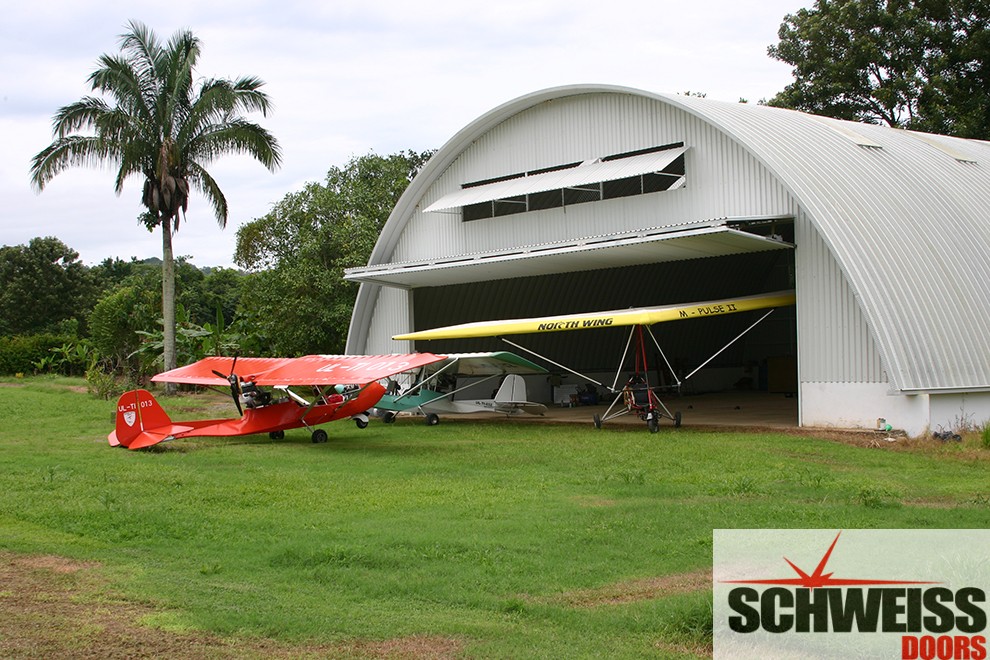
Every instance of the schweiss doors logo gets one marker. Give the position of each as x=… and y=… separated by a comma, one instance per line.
x=908, y=594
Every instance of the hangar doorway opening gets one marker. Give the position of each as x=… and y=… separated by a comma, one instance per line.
x=762, y=361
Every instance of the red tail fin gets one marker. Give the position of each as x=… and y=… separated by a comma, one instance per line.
x=141, y=421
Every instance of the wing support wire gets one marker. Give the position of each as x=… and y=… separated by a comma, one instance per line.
x=421, y=384
x=622, y=362
x=448, y=395
x=624, y=394
x=321, y=396
x=719, y=352
x=308, y=405
x=556, y=364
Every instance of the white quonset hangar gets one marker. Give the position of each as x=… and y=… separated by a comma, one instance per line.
x=589, y=197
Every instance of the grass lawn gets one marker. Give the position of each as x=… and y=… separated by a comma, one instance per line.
x=475, y=539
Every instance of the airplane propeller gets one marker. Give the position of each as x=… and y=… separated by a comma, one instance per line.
x=235, y=384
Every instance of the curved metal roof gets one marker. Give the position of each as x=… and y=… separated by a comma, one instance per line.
x=906, y=216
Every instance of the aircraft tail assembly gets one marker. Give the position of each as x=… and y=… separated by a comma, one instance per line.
x=512, y=390
x=141, y=421
x=511, y=397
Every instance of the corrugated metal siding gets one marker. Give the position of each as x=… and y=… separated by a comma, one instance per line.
x=836, y=345
x=392, y=315
x=907, y=225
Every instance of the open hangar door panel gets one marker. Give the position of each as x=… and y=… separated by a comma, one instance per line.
x=763, y=359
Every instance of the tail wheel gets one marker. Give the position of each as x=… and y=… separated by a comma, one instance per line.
x=319, y=436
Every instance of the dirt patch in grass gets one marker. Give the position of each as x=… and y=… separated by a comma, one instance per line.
x=638, y=590
x=52, y=606
x=696, y=650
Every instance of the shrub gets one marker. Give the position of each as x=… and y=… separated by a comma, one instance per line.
x=102, y=383
x=22, y=354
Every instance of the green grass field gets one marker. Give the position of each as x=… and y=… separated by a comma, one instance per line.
x=511, y=539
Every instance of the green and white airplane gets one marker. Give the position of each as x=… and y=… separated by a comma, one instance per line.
x=432, y=391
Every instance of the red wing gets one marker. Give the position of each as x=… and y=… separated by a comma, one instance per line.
x=342, y=369
x=201, y=373
x=309, y=370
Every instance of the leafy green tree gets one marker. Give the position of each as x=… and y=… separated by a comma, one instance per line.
x=298, y=300
x=116, y=320
x=161, y=125
x=219, y=288
x=918, y=64
x=112, y=272
x=957, y=102
x=129, y=309
x=44, y=284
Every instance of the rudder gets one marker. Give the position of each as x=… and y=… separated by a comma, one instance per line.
x=512, y=390
x=138, y=412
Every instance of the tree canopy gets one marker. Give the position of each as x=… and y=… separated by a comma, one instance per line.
x=298, y=299
x=44, y=283
x=917, y=64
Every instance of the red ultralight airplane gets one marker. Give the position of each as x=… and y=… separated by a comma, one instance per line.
x=341, y=386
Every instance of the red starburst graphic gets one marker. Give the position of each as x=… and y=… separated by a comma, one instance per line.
x=819, y=578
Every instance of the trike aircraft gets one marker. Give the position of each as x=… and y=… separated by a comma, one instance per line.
x=637, y=396
x=432, y=393
x=339, y=387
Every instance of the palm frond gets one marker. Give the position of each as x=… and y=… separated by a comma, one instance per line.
x=206, y=185
x=83, y=114
x=142, y=47
x=237, y=135
x=65, y=152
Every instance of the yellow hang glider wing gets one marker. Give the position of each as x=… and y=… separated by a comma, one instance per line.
x=633, y=316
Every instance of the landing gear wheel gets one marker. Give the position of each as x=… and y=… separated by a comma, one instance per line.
x=598, y=422
x=389, y=418
x=677, y=419
x=319, y=436
x=276, y=435
x=361, y=423
x=652, y=422
x=432, y=419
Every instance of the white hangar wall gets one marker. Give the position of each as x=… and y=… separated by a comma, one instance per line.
x=733, y=170
x=722, y=179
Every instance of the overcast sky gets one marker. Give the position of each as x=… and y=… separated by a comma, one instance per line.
x=347, y=78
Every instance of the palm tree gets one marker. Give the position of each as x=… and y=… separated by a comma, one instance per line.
x=159, y=125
